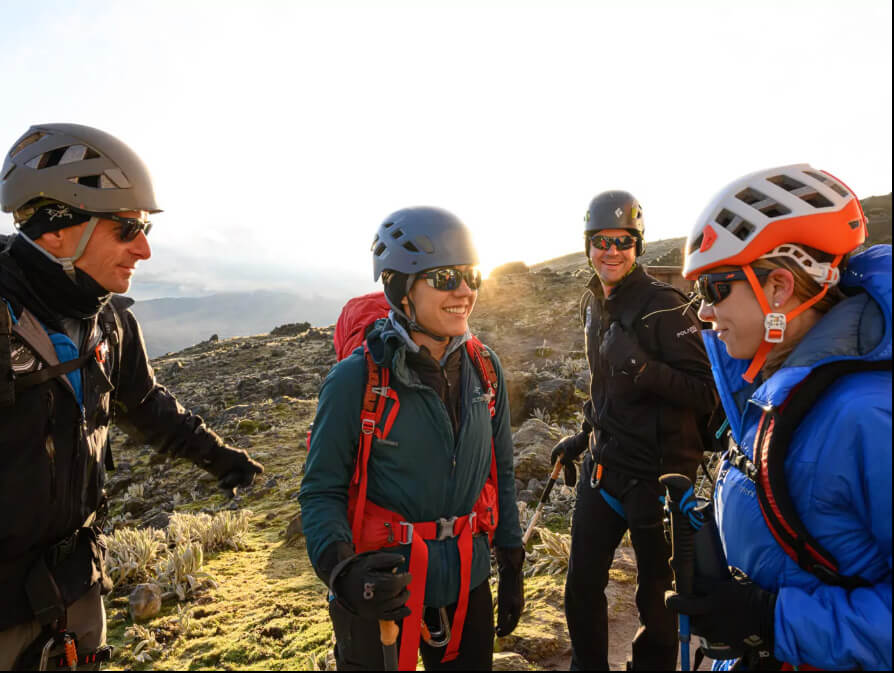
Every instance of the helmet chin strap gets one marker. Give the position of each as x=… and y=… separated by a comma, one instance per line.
x=774, y=322
x=68, y=262
x=416, y=327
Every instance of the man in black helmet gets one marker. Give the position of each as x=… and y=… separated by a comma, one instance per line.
x=650, y=383
x=72, y=359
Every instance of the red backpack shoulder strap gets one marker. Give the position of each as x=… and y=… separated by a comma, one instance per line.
x=774, y=435
x=484, y=365
x=375, y=395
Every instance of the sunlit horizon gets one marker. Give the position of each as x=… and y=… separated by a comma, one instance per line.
x=280, y=134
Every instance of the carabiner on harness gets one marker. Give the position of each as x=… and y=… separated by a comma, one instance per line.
x=441, y=637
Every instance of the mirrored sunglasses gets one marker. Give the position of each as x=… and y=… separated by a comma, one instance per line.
x=449, y=278
x=713, y=288
x=601, y=242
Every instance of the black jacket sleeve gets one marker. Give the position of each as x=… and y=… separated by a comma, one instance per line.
x=679, y=371
x=147, y=411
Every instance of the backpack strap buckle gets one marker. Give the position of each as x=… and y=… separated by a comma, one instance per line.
x=445, y=528
x=367, y=426
x=381, y=390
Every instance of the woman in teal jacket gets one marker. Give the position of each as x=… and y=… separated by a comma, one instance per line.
x=785, y=297
x=431, y=467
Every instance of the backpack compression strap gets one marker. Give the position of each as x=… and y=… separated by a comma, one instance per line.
x=775, y=431
x=375, y=395
x=7, y=384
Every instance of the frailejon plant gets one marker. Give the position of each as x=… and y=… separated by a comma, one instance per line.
x=550, y=557
x=133, y=553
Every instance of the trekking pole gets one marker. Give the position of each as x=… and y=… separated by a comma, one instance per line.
x=681, y=499
x=388, y=631
x=544, y=498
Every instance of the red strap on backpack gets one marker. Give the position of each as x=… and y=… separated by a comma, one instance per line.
x=375, y=527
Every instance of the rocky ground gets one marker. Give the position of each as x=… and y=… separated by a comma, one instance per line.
x=261, y=606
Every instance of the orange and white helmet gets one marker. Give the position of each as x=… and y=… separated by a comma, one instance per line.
x=772, y=213
x=756, y=214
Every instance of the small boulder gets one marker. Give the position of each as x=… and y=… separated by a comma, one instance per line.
x=144, y=602
x=533, y=443
x=511, y=661
x=294, y=530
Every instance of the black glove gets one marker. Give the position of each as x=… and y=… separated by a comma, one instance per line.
x=369, y=586
x=735, y=611
x=567, y=450
x=511, y=588
x=621, y=350
x=233, y=468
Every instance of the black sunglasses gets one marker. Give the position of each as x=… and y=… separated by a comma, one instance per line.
x=449, y=278
x=713, y=288
x=130, y=226
x=601, y=242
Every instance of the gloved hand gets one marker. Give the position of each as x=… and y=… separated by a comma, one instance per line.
x=567, y=450
x=368, y=585
x=511, y=588
x=621, y=350
x=233, y=468
x=734, y=611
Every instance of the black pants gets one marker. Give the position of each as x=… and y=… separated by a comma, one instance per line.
x=358, y=647
x=596, y=532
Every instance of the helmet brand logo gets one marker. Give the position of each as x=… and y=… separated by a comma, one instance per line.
x=61, y=211
x=619, y=212
x=709, y=237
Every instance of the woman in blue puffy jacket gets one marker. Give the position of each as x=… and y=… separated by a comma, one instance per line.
x=786, y=293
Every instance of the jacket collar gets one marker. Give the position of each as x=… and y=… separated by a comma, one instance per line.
x=857, y=328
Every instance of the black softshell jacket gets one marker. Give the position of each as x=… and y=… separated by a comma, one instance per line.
x=648, y=424
x=53, y=451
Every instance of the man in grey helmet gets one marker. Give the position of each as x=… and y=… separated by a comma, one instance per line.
x=72, y=360
x=650, y=383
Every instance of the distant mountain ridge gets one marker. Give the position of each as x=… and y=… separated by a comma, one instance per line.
x=669, y=251
x=171, y=324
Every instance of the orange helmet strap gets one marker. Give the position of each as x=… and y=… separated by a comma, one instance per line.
x=775, y=323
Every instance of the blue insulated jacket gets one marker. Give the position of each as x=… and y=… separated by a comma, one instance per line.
x=420, y=470
x=839, y=473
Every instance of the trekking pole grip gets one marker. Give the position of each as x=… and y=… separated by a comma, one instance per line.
x=388, y=631
x=679, y=493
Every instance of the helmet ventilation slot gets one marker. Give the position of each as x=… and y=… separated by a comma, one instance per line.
x=766, y=205
x=831, y=184
x=802, y=191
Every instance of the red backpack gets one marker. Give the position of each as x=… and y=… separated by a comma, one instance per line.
x=374, y=527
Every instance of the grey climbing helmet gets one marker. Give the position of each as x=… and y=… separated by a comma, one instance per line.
x=615, y=209
x=76, y=165
x=414, y=239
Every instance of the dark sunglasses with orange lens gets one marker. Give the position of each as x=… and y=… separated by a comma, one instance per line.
x=601, y=242
x=449, y=278
x=713, y=288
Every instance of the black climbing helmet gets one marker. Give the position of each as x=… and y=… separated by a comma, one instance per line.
x=615, y=210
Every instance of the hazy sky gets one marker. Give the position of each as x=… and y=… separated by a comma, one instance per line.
x=280, y=134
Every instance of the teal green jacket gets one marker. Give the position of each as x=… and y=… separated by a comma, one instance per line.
x=420, y=470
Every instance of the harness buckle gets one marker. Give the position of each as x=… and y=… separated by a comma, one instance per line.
x=380, y=390
x=367, y=426
x=473, y=521
x=406, y=532
x=445, y=528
